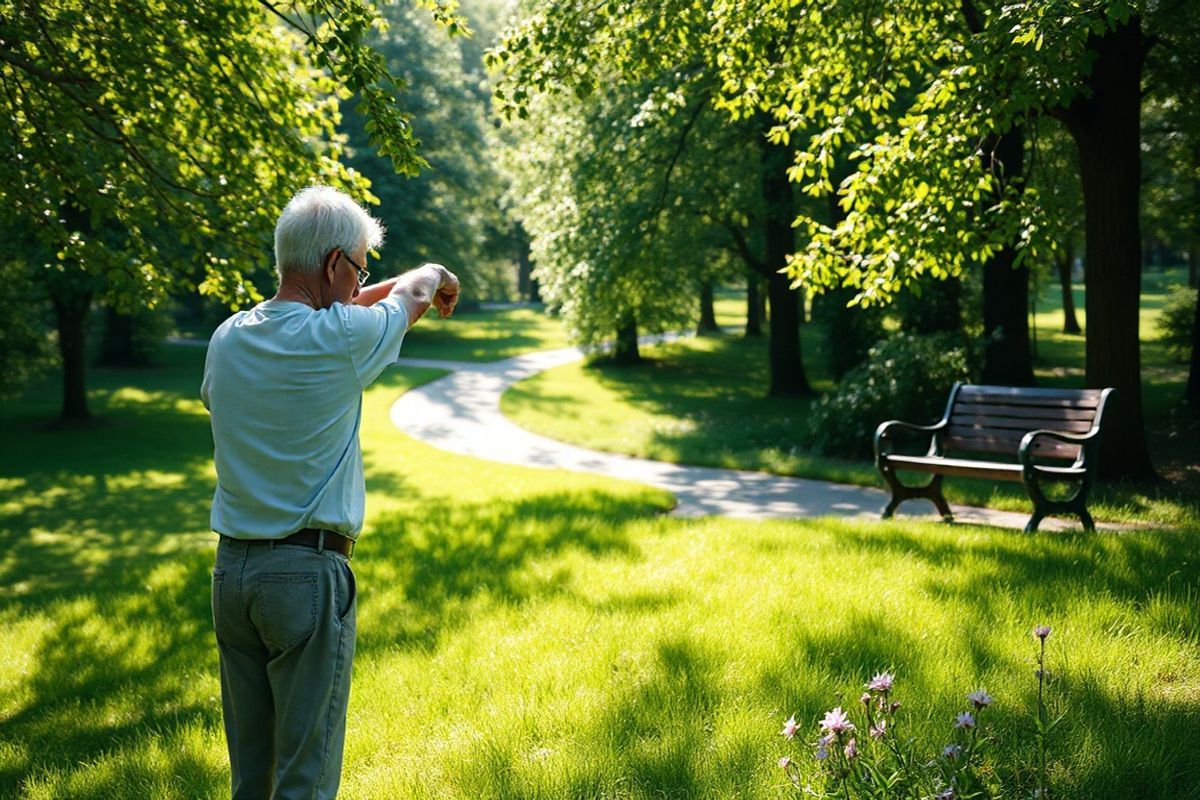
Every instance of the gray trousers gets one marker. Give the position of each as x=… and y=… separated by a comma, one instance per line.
x=285, y=622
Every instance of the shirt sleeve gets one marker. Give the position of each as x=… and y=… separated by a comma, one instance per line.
x=374, y=334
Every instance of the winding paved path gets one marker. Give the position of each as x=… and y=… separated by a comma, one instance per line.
x=461, y=413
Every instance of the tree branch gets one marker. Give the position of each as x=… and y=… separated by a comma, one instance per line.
x=743, y=249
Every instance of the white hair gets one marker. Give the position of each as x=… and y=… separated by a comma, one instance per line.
x=317, y=221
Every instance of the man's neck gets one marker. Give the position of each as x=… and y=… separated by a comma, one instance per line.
x=298, y=292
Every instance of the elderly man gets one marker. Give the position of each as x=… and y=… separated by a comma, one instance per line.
x=283, y=383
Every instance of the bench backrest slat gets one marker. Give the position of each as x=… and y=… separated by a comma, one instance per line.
x=996, y=440
x=994, y=419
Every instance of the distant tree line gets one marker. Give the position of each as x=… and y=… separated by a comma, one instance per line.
x=880, y=149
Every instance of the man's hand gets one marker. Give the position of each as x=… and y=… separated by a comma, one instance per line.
x=445, y=298
x=430, y=285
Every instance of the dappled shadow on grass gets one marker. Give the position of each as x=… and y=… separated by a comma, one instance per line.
x=104, y=559
x=1129, y=568
x=662, y=749
x=118, y=663
x=83, y=504
x=440, y=557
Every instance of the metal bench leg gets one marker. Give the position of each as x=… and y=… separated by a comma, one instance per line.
x=939, y=500
x=931, y=491
x=1044, y=506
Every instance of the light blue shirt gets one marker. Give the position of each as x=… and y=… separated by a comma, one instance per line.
x=283, y=383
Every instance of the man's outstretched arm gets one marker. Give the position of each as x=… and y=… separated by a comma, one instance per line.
x=427, y=285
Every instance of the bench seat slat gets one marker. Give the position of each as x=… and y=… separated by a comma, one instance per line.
x=965, y=468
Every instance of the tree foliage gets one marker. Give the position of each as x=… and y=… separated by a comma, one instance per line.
x=148, y=147
x=452, y=212
x=134, y=128
x=631, y=198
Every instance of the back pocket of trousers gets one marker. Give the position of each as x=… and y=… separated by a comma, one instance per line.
x=288, y=604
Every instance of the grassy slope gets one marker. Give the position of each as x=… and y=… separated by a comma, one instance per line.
x=532, y=634
x=702, y=401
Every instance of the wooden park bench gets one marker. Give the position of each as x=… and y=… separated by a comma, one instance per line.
x=1053, y=434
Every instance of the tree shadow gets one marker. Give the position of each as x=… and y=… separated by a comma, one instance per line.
x=436, y=562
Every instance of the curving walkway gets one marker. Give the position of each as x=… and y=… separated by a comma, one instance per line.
x=460, y=413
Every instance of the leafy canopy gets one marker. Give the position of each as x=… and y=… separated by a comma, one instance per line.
x=139, y=135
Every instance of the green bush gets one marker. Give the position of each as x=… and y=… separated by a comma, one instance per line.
x=905, y=377
x=1177, y=322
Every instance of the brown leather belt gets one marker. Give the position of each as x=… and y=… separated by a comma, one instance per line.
x=311, y=537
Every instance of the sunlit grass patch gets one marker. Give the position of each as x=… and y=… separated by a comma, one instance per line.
x=485, y=335
x=538, y=634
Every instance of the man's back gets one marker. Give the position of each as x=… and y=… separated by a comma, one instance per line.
x=284, y=383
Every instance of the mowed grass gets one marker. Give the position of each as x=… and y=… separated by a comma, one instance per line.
x=703, y=401
x=534, y=634
x=486, y=335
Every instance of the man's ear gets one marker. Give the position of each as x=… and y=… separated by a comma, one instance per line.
x=329, y=266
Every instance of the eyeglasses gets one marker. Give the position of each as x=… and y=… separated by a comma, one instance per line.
x=358, y=268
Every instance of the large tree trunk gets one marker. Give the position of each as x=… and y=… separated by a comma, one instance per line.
x=625, y=350
x=527, y=287
x=1192, y=396
x=1006, y=357
x=118, y=345
x=1105, y=124
x=1194, y=248
x=849, y=331
x=70, y=313
x=1065, y=259
x=708, y=315
x=938, y=309
x=754, y=305
x=787, y=362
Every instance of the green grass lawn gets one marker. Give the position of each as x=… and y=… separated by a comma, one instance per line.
x=487, y=335
x=703, y=401
x=531, y=634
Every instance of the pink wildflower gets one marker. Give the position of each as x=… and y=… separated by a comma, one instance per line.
x=882, y=682
x=964, y=720
x=879, y=729
x=1041, y=632
x=894, y=707
x=851, y=750
x=865, y=699
x=790, y=727
x=785, y=762
x=980, y=699
x=837, y=722
x=951, y=751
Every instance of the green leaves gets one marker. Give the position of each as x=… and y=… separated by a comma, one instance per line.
x=177, y=129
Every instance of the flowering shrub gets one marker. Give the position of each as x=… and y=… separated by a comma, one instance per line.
x=873, y=758
x=905, y=377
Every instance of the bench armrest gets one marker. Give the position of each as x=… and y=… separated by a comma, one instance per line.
x=885, y=435
x=1086, y=442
